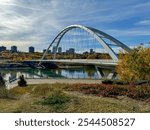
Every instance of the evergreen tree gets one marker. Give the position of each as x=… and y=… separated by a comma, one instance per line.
x=22, y=82
x=2, y=81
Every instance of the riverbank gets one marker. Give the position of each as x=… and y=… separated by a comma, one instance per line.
x=54, y=81
x=62, y=98
x=63, y=81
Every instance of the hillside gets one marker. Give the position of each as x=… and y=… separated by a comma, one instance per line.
x=65, y=98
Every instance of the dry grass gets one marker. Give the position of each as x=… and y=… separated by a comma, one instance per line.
x=31, y=99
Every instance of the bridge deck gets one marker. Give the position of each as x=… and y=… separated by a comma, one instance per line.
x=80, y=61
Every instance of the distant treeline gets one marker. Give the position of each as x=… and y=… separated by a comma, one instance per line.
x=38, y=55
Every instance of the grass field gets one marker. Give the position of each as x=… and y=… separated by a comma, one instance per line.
x=63, y=98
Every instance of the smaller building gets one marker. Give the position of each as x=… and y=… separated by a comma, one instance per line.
x=13, y=49
x=92, y=51
x=86, y=52
x=44, y=50
x=54, y=49
x=31, y=49
x=67, y=51
x=59, y=50
x=2, y=48
x=49, y=51
x=71, y=50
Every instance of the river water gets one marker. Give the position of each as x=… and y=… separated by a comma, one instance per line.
x=79, y=72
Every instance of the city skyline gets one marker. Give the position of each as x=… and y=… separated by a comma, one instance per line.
x=53, y=50
x=31, y=23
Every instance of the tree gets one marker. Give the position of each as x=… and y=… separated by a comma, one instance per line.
x=2, y=81
x=134, y=66
x=92, y=56
x=22, y=82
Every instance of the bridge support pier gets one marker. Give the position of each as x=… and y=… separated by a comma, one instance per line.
x=102, y=75
x=99, y=73
x=111, y=75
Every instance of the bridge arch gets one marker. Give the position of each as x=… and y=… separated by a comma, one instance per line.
x=94, y=33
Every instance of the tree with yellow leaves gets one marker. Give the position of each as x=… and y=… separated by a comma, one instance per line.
x=134, y=66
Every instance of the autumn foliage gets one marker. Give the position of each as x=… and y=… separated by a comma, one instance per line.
x=134, y=66
x=138, y=92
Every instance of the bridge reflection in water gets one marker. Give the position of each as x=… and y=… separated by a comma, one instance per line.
x=81, y=72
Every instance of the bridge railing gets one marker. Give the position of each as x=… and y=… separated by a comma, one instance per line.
x=65, y=77
x=80, y=60
x=12, y=79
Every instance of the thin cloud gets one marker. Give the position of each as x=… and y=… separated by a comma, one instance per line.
x=143, y=22
x=15, y=5
x=39, y=21
x=129, y=32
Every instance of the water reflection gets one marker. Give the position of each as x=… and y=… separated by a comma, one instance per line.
x=82, y=72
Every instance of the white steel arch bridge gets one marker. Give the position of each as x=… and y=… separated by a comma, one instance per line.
x=98, y=35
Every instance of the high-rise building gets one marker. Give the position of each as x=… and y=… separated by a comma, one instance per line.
x=54, y=49
x=31, y=49
x=59, y=49
x=2, y=48
x=13, y=49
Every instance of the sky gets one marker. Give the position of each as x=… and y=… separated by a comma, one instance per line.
x=35, y=23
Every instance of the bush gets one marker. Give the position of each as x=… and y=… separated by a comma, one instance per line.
x=22, y=82
x=4, y=93
x=139, y=92
x=107, y=81
x=118, y=82
x=17, y=92
x=112, y=91
x=2, y=81
x=56, y=98
x=42, y=90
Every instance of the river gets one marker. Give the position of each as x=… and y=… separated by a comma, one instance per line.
x=83, y=72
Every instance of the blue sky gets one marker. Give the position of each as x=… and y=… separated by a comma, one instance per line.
x=36, y=22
